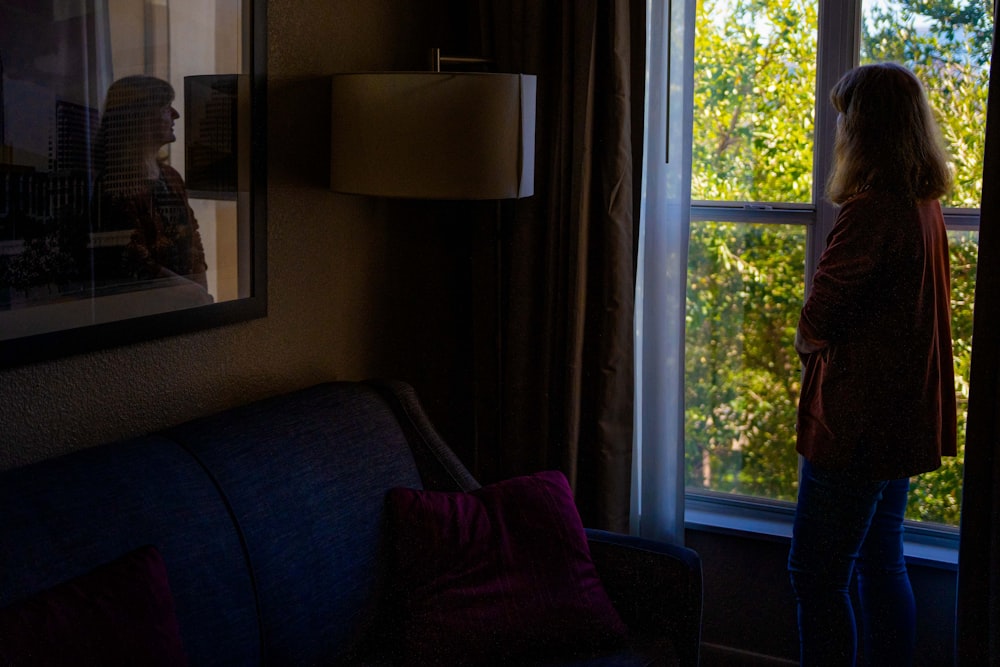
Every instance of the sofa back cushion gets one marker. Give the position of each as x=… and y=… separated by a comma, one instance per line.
x=64, y=517
x=306, y=475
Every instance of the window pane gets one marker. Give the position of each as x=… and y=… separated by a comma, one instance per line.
x=754, y=94
x=742, y=376
x=947, y=45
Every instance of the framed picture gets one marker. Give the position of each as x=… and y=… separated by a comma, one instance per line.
x=132, y=166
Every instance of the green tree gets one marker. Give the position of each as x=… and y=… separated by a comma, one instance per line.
x=755, y=70
x=753, y=141
x=947, y=44
x=742, y=375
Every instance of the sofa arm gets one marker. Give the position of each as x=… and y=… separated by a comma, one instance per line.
x=439, y=468
x=656, y=588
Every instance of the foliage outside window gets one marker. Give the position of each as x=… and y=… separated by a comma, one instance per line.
x=755, y=102
x=755, y=73
x=745, y=286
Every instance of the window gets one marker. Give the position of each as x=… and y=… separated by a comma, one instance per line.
x=761, y=150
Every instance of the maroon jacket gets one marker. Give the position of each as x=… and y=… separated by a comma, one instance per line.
x=165, y=237
x=878, y=392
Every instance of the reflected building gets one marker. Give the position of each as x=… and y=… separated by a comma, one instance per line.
x=71, y=160
x=211, y=113
x=44, y=214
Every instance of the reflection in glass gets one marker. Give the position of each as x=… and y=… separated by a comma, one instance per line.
x=140, y=198
x=96, y=224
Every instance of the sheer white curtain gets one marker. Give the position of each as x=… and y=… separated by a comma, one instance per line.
x=658, y=472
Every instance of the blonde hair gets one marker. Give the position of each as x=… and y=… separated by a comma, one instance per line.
x=887, y=137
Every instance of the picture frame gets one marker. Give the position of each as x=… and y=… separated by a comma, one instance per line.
x=102, y=241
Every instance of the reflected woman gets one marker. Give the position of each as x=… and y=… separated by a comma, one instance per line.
x=138, y=191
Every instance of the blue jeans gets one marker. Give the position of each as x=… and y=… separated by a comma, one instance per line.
x=841, y=521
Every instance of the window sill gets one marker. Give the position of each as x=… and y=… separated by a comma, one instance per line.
x=927, y=545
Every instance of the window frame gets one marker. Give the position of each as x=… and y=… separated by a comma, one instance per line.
x=838, y=50
x=933, y=545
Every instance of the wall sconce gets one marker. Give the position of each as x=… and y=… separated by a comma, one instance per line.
x=433, y=135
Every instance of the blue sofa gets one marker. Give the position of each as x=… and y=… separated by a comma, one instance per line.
x=269, y=521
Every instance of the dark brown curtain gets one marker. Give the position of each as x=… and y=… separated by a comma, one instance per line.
x=978, y=630
x=566, y=262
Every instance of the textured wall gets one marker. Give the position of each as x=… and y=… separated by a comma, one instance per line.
x=357, y=287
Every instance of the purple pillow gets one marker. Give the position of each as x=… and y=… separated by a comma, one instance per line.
x=119, y=614
x=496, y=573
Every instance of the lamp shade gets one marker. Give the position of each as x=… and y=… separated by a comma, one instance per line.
x=433, y=135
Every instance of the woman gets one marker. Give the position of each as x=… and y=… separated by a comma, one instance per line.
x=139, y=192
x=878, y=395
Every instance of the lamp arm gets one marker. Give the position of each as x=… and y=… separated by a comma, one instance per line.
x=437, y=59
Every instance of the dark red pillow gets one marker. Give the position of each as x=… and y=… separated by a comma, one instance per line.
x=119, y=614
x=497, y=573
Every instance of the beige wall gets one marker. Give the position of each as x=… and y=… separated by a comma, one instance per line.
x=357, y=287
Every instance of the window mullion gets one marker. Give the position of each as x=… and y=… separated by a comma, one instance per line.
x=777, y=215
x=837, y=52
x=961, y=218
